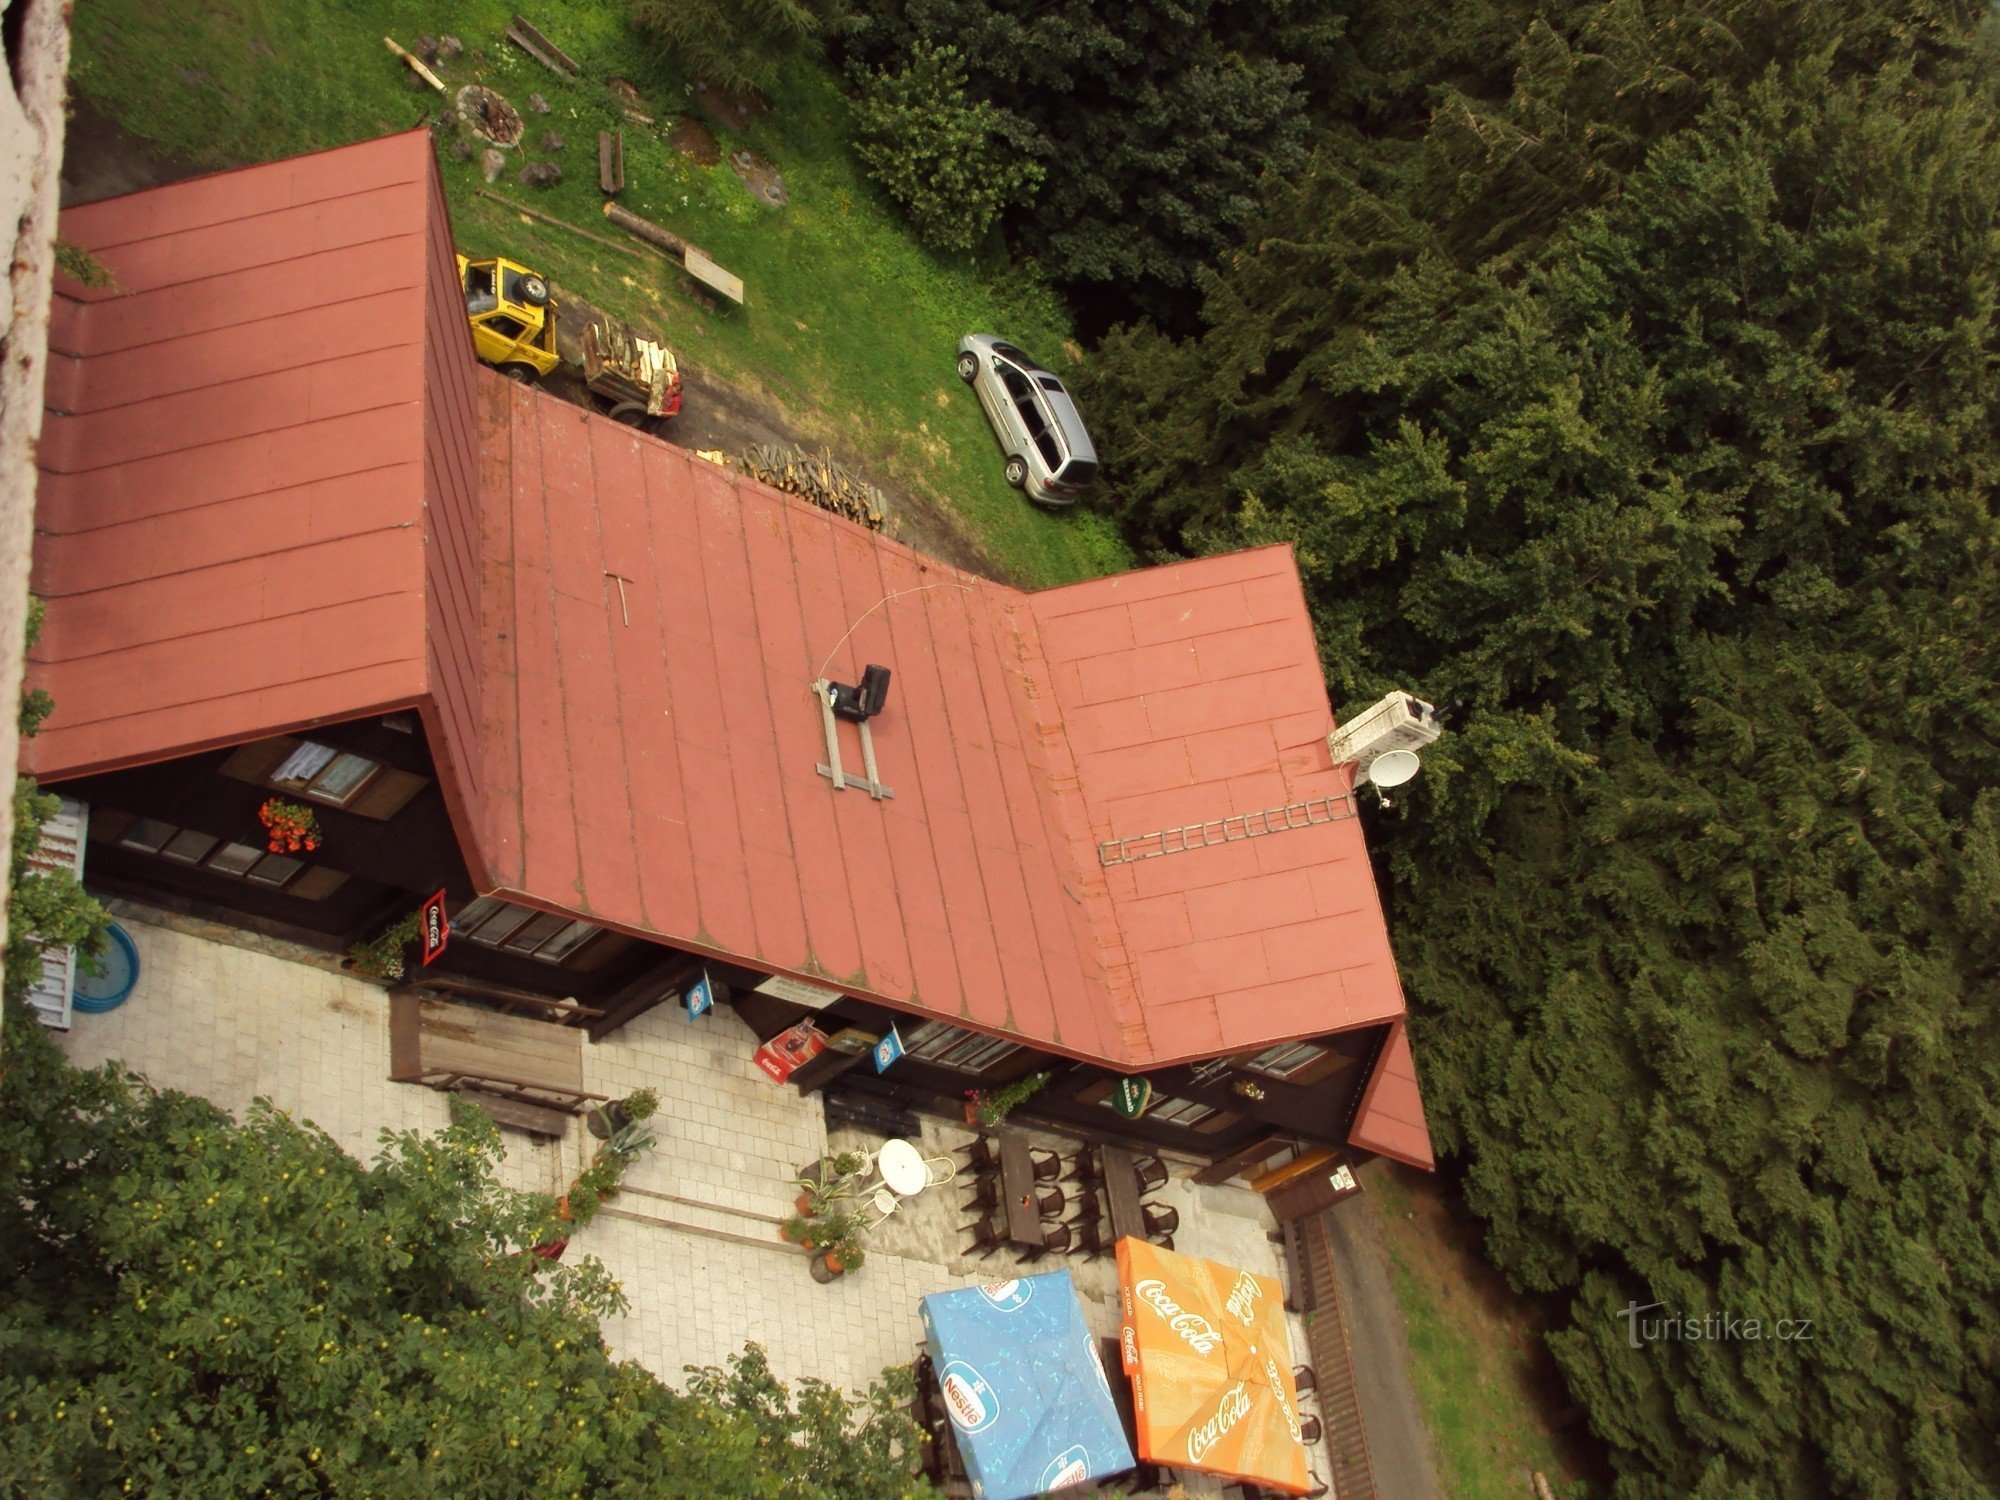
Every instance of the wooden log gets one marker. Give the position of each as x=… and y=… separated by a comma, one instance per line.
x=536, y=213
x=611, y=161
x=531, y=41
x=646, y=230
x=416, y=65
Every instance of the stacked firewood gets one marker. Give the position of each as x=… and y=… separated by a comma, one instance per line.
x=820, y=478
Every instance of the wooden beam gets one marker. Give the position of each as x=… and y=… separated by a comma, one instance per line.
x=531, y=41
x=1232, y=1165
x=610, y=162
x=641, y=994
x=536, y=213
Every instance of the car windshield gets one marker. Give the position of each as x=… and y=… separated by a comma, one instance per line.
x=1008, y=351
x=479, y=297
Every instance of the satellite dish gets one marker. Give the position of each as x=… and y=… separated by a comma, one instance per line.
x=1393, y=768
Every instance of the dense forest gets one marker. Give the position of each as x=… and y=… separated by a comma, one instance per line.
x=1626, y=378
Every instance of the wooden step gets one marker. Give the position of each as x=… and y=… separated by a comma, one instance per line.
x=513, y=1114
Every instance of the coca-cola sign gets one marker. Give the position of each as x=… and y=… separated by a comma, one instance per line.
x=1242, y=1301
x=1193, y=1329
x=1203, y=1436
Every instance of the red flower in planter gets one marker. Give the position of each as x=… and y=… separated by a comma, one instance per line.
x=290, y=827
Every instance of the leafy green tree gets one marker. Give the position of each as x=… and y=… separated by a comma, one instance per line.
x=193, y=1306
x=1628, y=381
x=932, y=149
x=728, y=44
x=1154, y=125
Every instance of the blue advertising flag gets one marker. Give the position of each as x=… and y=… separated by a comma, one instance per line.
x=700, y=998
x=888, y=1049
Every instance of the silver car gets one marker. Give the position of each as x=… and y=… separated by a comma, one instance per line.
x=1048, y=453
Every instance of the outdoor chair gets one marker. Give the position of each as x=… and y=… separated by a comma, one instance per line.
x=1305, y=1378
x=884, y=1203
x=985, y=1193
x=1088, y=1231
x=988, y=1235
x=1309, y=1430
x=1160, y=1219
x=938, y=1170
x=979, y=1155
x=1048, y=1165
x=1164, y=1241
x=1051, y=1201
x=1151, y=1172
x=1057, y=1242
x=1082, y=1170
x=1319, y=1486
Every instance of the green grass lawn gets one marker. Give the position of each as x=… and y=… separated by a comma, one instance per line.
x=849, y=325
x=1473, y=1354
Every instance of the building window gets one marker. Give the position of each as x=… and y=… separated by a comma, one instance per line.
x=955, y=1047
x=1182, y=1112
x=1286, y=1059
x=189, y=846
x=322, y=772
x=498, y=924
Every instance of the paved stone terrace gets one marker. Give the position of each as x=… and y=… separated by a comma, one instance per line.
x=693, y=1235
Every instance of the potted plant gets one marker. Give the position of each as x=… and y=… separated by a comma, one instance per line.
x=381, y=957
x=607, y=1120
x=289, y=827
x=837, y=1259
x=579, y=1205
x=826, y=1182
x=990, y=1109
x=625, y=1147
x=830, y=1229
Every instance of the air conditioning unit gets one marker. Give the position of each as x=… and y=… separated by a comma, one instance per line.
x=1398, y=722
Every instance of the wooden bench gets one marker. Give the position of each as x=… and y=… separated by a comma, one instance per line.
x=528, y=1074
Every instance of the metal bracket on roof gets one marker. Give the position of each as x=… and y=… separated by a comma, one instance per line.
x=1307, y=814
x=872, y=783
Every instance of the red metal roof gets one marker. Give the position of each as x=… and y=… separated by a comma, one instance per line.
x=277, y=490
x=233, y=463
x=1390, y=1117
x=661, y=776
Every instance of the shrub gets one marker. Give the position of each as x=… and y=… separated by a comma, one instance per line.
x=935, y=151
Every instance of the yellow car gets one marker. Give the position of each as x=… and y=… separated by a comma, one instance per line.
x=513, y=321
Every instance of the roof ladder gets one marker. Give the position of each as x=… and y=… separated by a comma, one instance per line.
x=872, y=783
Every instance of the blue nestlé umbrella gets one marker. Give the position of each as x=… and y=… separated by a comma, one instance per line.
x=1027, y=1394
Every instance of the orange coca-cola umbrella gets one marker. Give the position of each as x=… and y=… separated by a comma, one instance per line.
x=1210, y=1362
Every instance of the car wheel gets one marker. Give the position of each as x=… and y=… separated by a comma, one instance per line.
x=629, y=414
x=968, y=368
x=1017, y=472
x=520, y=374
x=534, y=291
